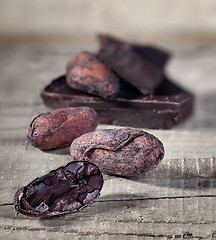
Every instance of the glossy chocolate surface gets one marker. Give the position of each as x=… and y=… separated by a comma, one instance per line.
x=167, y=107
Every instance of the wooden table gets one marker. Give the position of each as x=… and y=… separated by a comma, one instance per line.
x=175, y=200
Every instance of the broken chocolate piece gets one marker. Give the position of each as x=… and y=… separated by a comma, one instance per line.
x=64, y=190
x=141, y=66
x=169, y=106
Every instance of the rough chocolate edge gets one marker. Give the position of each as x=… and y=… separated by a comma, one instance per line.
x=169, y=106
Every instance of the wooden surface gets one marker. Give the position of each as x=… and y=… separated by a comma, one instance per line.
x=67, y=20
x=175, y=200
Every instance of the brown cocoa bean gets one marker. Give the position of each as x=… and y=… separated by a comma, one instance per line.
x=61, y=126
x=123, y=152
x=61, y=191
x=86, y=73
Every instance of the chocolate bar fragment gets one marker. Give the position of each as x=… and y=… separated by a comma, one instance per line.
x=141, y=66
x=169, y=106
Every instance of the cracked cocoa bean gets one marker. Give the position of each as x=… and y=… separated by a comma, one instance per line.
x=64, y=190
x=86, y=73
x=60, y=127
x=123, y=152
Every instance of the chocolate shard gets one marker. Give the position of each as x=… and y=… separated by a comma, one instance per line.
x=64, y=190
x=141, y=66
x=169, y=106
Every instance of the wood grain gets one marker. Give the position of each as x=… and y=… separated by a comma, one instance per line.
x=175, y=200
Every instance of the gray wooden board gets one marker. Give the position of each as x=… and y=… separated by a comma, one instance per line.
x=175, y=200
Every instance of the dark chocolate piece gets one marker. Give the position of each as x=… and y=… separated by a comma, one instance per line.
x=141, y=66
x=169, y=106
x=64, y=190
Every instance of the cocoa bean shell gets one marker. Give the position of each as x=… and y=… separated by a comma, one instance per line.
x=64, y=190
x=60, y=127
x=123, y=152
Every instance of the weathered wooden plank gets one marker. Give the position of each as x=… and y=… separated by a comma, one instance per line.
x=160, y=203
x=148, y=21
x=187, y=174
x=175, y=200
x=11, y=234
x=158, y=217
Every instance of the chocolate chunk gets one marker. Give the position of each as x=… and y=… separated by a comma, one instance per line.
x=141, y=66
x=64, y=190
x=169, y=106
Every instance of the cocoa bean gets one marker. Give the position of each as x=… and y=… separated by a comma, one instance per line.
x=61, y=191
x=123, y=152
x=86, y=73
x=60, y=127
